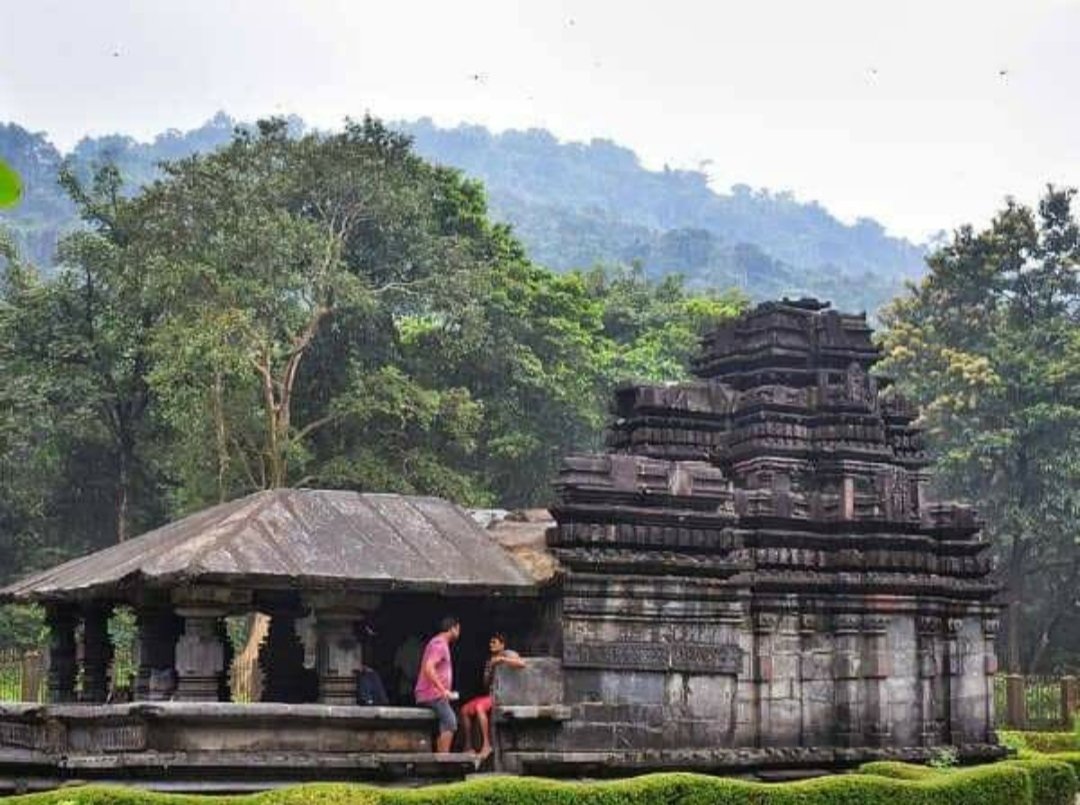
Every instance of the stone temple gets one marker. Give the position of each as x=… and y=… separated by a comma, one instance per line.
x=752, y=578
x=754, y=574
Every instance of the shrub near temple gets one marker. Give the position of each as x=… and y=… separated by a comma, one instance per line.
x=1048, y=742
x=999, y=784
x=1053, y=782
x=1072, y=758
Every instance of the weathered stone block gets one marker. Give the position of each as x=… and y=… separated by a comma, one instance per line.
x=539, y=682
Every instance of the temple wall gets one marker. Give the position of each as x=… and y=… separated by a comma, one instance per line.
x=800, y=680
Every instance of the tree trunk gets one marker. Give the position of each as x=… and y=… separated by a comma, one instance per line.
x=1064, y=604
x=123, y=492
x=1014, y=611
x=221, y=435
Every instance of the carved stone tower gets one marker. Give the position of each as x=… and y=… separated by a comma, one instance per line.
x=755, y=564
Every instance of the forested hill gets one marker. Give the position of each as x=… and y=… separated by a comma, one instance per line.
x=573, y=204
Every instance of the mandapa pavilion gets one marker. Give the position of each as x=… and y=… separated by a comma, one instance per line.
x=355, y=574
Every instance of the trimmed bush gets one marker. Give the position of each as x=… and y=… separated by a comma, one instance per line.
x=1052, y=781
x=1046, y=742
x=998, y=784
x=898, y=771
x=1072, y=758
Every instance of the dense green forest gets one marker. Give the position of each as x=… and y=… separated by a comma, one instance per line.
x=572, y=205
x=988, y=344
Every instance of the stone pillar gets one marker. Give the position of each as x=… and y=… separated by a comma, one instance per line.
x=927, y=629
x=846, y=680
x=337, y=650
x=747, y=717
x=200, y=655
x=990, y=666
x=1070, y=698
x=157, y=629
x=815, y=681
x=97, y=653
x=954, y=672
x=228, y=655
x=876, y=671
x=281, y=658
x=61, y=619
x=1015, y=702
x=847, y=498
x=765, y=625
x=338, y=657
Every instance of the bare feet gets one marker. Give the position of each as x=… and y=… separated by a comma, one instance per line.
x=484, y=753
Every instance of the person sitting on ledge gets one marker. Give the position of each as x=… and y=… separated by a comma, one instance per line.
x=435, y=680
x=480, y=707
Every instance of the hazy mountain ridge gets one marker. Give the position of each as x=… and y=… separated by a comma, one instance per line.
x=572, y=204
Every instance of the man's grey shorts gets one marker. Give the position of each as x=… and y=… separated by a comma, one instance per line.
x=445, y=714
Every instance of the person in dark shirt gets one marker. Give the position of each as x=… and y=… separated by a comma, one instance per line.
x=480, y=706
x=369, y=687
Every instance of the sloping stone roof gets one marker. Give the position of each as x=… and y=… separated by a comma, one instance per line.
x=299, y=539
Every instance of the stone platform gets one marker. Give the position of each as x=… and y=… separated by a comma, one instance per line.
x=218, y=746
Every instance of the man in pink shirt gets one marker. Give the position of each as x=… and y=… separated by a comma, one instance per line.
x=435, y=681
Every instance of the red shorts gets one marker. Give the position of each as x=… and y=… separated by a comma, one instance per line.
x=481, y=704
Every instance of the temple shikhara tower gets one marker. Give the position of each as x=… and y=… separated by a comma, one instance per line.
x=756, y=565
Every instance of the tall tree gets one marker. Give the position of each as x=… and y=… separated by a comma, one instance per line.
x=80, y=341
x=262, y=245
x=988, y=344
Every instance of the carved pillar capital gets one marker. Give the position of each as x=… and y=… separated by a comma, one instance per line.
x=809, y=623
x=847, y=624
x=766, y=622
x=928, y=625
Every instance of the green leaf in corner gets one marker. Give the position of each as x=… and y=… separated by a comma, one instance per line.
x=10, y=186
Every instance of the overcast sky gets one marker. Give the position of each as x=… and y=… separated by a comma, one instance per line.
x=923, y=115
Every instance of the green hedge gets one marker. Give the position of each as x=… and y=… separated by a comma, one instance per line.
x=999, y=784
x=1046, y=742
x=1053, y=782
x=898, y=771
x=1072, y=758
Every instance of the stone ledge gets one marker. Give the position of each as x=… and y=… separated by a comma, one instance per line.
x=214, y=711
x=277, y=761
x=616, y=763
